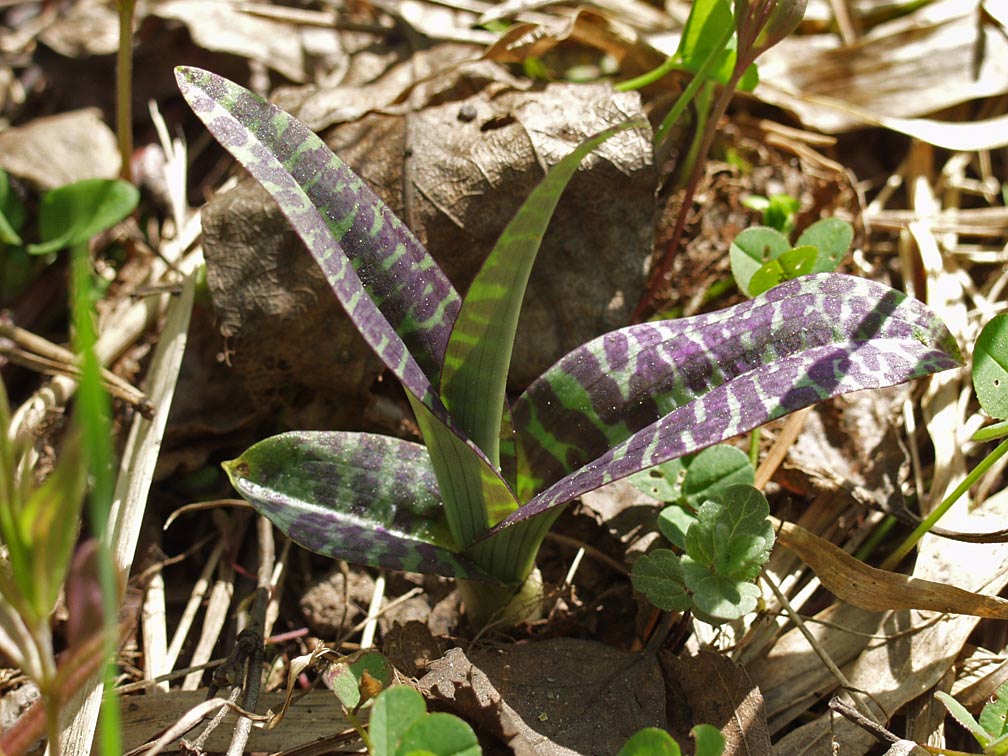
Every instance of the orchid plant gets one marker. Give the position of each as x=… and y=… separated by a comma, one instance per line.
x=476, y=501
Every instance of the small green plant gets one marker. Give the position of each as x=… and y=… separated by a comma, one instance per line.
x=720, y=43
x=39, y=524
x=991, y=731
x=721, y=544
x=762, y=257
x=652, y=741
x=400, y=724
x=67, y=216
x=476, y=502
x=780, y=211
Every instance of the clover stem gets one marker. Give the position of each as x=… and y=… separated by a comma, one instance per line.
x=929, y=522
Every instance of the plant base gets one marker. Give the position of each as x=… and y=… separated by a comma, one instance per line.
x=500, y=606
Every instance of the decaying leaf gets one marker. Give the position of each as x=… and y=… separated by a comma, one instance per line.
x=522, y=694
x=56, y=150
x=225, y=26
x=943, y=54
x=718, y=692
x=585, y=26
x=469, y=165
x=870, y=588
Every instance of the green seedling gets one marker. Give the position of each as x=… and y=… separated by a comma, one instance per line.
x=708, y=51
x=752, y=27
x=721, y=547
x=72, y=214
x=400, y=724
x=39, y=526
x=990, y=383
x=652, y=741
x=780, y=211
x=476, y=502
x=762, y=257
x=991, y=731
x=67, y=216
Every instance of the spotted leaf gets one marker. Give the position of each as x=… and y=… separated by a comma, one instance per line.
x=362, y=497
x=642, y=395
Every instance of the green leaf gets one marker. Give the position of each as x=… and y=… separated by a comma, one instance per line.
x=709, y=740
x=992, y=431
x=395, y=710
x=717, y=598
x=833, y=238
x=72, y=214
x=52, y=515
x=440, y=734
x=994, y=715
x=474, y=493
x=796, y=262
x=711, y=472
x=662, y=482
x=366, y=498
x=751, y=249
x=650, y=741
x=474, y=374
x=963, y=717
x=997, y=747
x=344, y=676
x=701, y=35
x=990, y=367
x=778, y=211
x=732, y=536
x=673, y=523
x=658, y=576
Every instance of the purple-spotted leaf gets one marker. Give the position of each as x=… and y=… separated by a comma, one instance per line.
x=474, y=375
x=362, y=497
x=357, y=241
x=639, y=396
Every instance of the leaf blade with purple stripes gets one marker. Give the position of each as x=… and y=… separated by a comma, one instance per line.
x=408, y=306
x=642, y=395
x=362, y=497
x=474, y=374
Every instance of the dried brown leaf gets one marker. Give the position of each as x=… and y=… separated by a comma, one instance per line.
x=857, y=583
x=943, y=54
x=585, y=26
x=558, y=697
x=60, y=149
x=720, y=693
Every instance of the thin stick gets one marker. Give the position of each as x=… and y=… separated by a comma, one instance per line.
x=834, y=670
x=253, y=672
x=33, y=351
x=374, y=611
x=779, y=450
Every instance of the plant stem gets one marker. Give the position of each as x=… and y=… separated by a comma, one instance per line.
x=661, y=270
x=930, y=521
x=124, y=86
x=92, y=404
x=698, y=80
x=754, y=439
